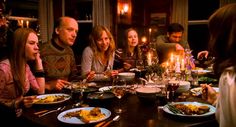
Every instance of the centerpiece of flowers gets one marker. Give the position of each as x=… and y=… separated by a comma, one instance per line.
x=155, y=72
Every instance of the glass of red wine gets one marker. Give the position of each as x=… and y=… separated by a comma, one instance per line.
x=171, y=89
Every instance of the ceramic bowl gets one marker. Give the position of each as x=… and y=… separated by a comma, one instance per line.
x=147, y=93
x=128, y=76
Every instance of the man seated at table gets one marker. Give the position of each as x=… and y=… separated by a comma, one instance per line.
x=171, y=42
x=57, y=55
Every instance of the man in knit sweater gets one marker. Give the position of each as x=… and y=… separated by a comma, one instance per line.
x=57, y=55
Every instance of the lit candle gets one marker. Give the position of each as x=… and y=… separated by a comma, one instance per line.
x=150, y=33
x=150, y=30
x=177, y=58
x=27, y=24
x=182, y=65
x=177, y=65
x=144, y=39
x=171, y=58
x=22, y=23
x=149, y=59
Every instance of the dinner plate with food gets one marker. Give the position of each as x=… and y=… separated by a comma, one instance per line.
x=100, y=95
x=201, y=71
x=109, y=88
x=189, y=109
x=198, y=90
x=77, y=85
x=51, y=98
x=84, y=115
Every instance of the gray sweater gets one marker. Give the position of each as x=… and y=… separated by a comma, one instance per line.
x=89, y=63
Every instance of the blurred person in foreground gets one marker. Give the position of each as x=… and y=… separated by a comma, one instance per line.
x=16, y=77
x=57, y=55
x=222, y=28
x=98, y=57
x=131, y=54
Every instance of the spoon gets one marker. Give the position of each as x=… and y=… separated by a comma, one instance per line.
x=58, y=109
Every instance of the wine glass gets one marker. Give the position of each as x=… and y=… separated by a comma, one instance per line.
x=171, y=87
x=119, y=89
x=77, y=91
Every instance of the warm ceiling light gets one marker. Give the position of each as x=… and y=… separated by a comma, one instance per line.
x=125, y=8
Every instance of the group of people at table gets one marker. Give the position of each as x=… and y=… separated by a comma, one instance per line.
x=54, y=66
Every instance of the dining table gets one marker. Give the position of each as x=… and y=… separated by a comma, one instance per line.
x=138, y=112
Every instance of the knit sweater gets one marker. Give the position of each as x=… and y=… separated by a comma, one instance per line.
x=58, y=64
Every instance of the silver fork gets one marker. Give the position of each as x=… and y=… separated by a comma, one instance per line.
x=58, y=109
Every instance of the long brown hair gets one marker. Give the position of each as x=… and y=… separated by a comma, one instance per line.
x=137, y=49
x=96, y=35
x=222, y=28
x=17, y=57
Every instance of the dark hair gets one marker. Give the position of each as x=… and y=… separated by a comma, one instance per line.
x=222, y=43
x=175, y=27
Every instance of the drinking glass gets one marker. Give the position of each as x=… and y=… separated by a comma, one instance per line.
x=119, y=89
x=77, y=91
x=171, y=89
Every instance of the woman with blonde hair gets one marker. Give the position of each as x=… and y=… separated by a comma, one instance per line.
x=16, y=78
x=98, y=57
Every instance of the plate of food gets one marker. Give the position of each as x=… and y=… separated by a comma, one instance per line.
x=109, y=88
x=100, y=95
x=76, y=85
x=208, y=80
x=84, y=115
x=105, y=89
x=189, y=109
x=198, y=90
x=201, y=72
x=51, y=98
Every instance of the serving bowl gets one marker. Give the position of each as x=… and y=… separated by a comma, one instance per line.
x=147, y=93
x=127, y=76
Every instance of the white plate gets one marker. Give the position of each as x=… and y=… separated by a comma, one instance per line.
x=75, y=120
x=211, y=112
x=92, y=84
x=198, y=90
x=109, y=88
x=201, y=71
x=40, y=97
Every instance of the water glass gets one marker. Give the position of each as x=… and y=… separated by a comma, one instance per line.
x=77, y=91
x=119, y=89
